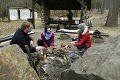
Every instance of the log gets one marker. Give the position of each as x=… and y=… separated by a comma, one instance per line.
x=31, y=59
x=75, y=32
x=6, y=38
x=10, y=37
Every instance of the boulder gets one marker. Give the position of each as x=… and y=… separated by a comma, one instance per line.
x=101, y=62
x=14, y=64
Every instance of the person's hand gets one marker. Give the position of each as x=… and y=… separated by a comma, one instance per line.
x=38, y=48
x=72, y=43
x=48, y=49
x=31, y=43
x=53, y=47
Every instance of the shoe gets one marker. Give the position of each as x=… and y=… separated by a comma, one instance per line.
x=82, y=50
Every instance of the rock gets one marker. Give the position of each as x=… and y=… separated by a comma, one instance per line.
x=59, y=62
x=14, y=65
x=69, y=75
x=100, y=62
x=51, y=63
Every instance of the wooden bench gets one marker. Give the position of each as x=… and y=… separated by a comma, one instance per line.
x=6, y=38
x=64, y=22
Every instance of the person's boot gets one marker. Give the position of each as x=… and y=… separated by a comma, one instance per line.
x=73, y=39
x=81, y=51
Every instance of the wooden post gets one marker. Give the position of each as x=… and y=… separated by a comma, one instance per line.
x=32, y=62
x=8, y=11
x=33, y=16
x=8, y=14
x=42, y=14
x=82, y=14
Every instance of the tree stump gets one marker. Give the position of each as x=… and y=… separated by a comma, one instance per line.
x=64, y=36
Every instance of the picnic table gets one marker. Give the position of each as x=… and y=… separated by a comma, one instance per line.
x=64, y=22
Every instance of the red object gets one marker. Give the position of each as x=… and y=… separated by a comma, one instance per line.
x=84, y=39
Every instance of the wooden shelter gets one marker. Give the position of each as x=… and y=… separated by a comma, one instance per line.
x=59, y=5
x=63, y=4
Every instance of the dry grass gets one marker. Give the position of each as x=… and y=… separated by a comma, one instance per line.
x=8, y=28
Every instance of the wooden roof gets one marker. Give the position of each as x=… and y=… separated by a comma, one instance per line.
x=63, y=4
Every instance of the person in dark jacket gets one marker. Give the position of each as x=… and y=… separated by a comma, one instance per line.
x=47, y=38
x=83, y=41
x=22, y=38
x=69, y=15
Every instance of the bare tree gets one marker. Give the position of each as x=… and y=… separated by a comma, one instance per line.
x=112, y=19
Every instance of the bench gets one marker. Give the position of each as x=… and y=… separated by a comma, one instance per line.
x=64, y=22
x=75, y=32
x=6, y=38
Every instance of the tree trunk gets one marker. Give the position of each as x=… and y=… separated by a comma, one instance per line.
x=112, y=19
x=103, y=6
x=82, y=6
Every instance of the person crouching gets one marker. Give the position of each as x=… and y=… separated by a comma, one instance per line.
x=83, y=41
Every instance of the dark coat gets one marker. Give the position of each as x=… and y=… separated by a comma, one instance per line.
x=70, y=15
x=21, y=38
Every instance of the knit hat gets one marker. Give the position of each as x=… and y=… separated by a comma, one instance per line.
x=81, y=26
